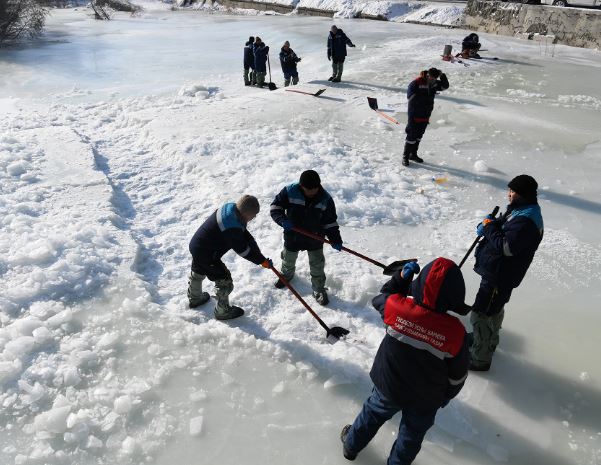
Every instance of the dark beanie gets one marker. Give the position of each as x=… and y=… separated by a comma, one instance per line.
x=310, y=179
x=524, y=185
x=251, y=39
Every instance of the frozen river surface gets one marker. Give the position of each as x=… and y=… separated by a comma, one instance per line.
x=118, y=138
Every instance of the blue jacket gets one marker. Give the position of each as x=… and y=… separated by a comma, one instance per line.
x=261, y=53
x=249, y=57
x=423, y=359
x=337, y=45
x=288, y=60
x=421, y=96
x=507, y=249
x=317, y=215
x=221, y=232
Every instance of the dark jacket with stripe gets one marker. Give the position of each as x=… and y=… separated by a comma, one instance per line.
x=288, y=60
x=421, y=97
x=260, y=53
x=317, y=215
x=222, y=231
x=249, y=57
x=507, y=249
x=423, y=360
x=337, y=45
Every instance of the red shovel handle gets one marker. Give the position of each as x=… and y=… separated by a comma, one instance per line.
x=324, y=240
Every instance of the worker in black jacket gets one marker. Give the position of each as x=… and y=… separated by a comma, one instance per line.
x=502, y=258
x=224, y=230
x=249, y=62
x=309, y=206
x=422, y=361
x=337, y=42
x=420, y=95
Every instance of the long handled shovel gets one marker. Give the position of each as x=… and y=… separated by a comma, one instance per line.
x=332, y=334
x=388, y=269
x=475, y=243
x=373, y=104
x=271, y=85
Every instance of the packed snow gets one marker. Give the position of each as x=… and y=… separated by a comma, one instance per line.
x=118, y=138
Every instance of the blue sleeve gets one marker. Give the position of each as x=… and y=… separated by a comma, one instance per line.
x=244, y=245
x=519, y=234
x=329, y=46
x=411, y=89
x=279, y=206
x=347, y=40
x=443, y=83
x=330, y=224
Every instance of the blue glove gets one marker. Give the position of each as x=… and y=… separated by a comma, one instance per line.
x=410, y=269
x=485, y=222
x=337, y=246
x=287, y=225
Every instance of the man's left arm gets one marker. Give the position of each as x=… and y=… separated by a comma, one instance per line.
x=329, y=223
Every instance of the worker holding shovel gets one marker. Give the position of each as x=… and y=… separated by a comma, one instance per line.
x=306, y=204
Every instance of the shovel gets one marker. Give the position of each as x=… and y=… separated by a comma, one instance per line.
x=271, y=85
x=388, y=269
x=373, y=104
x=475, y=243
x=332, y=334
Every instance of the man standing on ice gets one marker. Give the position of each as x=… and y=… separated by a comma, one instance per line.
x=224, y=230
x=249, y=62
x=420, y=94
x=422, y=361
x=288, y=60
x=260, y=51
x=502, y=259
x=337, y=42
x=309, y=206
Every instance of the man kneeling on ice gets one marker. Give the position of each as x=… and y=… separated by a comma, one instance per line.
x=225, y=229
x=422, y=361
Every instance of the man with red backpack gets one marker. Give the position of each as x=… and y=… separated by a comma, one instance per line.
x=422, y=362
x=420, y=94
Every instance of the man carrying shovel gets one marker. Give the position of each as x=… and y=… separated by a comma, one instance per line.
x=307, y=205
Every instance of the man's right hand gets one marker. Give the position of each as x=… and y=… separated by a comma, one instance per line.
x=287, y=225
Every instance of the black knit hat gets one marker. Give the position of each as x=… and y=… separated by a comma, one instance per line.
x=524, y=185
x=251, y=39
x=310, y=179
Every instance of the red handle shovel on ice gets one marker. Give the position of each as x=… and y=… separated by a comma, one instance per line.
x=332, y=334
x=373, y=104
x=388, y=269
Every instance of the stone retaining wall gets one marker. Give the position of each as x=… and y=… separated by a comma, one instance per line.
x=569, y=26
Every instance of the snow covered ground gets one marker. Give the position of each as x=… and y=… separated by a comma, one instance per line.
x=118, y=138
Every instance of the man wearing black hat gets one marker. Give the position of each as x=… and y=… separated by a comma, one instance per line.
x=502, y=259
x=249, y=62
x=307, y=205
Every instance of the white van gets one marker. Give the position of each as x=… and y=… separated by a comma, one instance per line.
x=596, y=3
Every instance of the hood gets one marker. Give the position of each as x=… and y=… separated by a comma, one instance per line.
x=440, y=286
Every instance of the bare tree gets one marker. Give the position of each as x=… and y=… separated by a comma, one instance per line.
x=20, y=18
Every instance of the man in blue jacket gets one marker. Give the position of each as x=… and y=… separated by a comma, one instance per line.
x=288, y=60
x=309, y=206
x=249, y=62
x=420, y=95
x=224, y=230
x=422, y=361
x=502, y=259
x=337, y=42
x=261, y=51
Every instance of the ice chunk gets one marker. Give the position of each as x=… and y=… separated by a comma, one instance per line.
x=481, y=166
x=54, y=420
x=122, y=405
x=196, y=425
x=108, y=341
x=20, y=347
x=129, y=446
x=334, y=381
x=278, y=388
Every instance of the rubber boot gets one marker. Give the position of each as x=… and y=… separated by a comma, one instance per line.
x=286, y=82
x=414, y=156
x=407, y=153
x=196, y=297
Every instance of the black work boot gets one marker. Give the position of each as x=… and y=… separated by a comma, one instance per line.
x=414, y=156
x=228, y=313
x=321, y=297
x=347, y=453
x=407, y=153
x=197, y=303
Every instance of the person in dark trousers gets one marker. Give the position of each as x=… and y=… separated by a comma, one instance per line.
x=421, y=94
x=309, y=206
x=502, y=259
x=337, y=42
x=249, y=62
x=470, y=46
x=288, y=60
x=224, y=230
x=422, y=361
x=260, y=51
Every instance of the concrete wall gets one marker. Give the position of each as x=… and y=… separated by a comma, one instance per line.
x=569, y=26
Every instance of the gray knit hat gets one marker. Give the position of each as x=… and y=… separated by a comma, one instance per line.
x=248, y=204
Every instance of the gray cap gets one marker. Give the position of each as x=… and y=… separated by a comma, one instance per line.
x=248, y=204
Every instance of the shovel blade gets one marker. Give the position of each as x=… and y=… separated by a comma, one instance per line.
x=319, y=92
x=373, y=103
x=398, y=265
x=272, y=86
x=335, y=334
